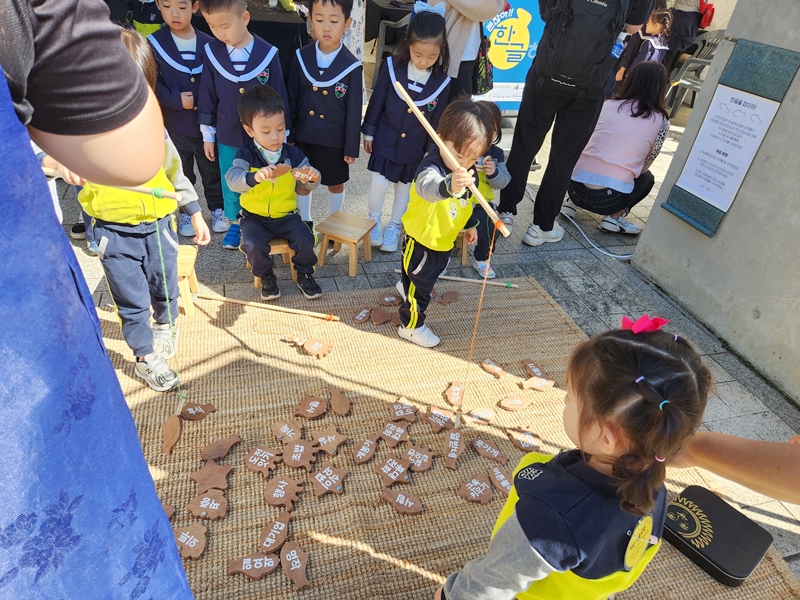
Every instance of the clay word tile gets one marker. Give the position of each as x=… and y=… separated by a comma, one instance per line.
x=311, y=407
x=274, y=535
x=287, y=431
x=420, y=457
x=438, y=419
x=340, y=403
x=255, y=566
x=400, y=411
x=294, y=562
x=476, y=489
x=329, y=440
x=282, y=492
x=220, y=448
x=405, y=504
x=393, y=470
x=394, y=433
x=492, y=367
x=453, y=448
x=329, y=480
x=191, y=540
x=300, y=454
x=501, y=480
x=263, y=460
x=488, y=450
x=524, y=439
x=366, y=449
x=209, y=505
x=454, y=394
x=196, y=412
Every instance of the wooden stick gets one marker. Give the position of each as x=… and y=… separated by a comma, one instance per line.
x=294, y=311
x=447, y=155
x=140, y=189
x=479, y=281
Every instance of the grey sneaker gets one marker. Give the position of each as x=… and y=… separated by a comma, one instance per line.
x=219, y=222
x=156, y=373
x=376, y=235
x=508, y=219
x=618, y=225
x=421, y=336
x=391, y=237
x=399, y=287
x=536, y=237
x=165, y=340
x=483, y=268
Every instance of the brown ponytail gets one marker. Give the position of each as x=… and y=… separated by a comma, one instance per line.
x=654, y=387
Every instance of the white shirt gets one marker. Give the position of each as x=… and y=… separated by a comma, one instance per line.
x=324, y=60
x=473, y=43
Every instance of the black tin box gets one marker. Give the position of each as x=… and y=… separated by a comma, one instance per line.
x=715, y=536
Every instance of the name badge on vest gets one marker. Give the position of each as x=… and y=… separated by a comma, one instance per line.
x=432, y=104
x=263, y=77
x=340, y=90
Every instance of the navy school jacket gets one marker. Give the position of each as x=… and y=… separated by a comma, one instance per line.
x=175, y=76
x=398, y=135
x=221, y=86
x=326, y=107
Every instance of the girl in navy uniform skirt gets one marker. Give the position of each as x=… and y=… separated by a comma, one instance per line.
x=392, y=135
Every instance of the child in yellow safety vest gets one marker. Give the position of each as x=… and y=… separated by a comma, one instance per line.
x=269, y=174
x=586, y=522
x=440, y=207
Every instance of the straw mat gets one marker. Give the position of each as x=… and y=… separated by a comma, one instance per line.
x=359, y=547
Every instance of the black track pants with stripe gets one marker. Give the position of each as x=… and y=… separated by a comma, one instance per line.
x=421, y=267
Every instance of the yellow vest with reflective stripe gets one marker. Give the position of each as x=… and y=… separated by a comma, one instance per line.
x=484, y=188
x=273, y=200
x=121, y=206
x=566, y=585
x=435, y=225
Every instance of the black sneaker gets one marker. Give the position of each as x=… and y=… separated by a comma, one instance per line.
x=308, y=286
x=78, y=231
x=269, y=287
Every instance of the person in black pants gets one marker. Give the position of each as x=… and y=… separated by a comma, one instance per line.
x=682, y=33
x=574, y=110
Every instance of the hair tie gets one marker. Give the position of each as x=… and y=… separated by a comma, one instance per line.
x=421, y=7
x=643, y=324
x=675, y=339
x=661, y=406
x=658, y=458
x=639, y=379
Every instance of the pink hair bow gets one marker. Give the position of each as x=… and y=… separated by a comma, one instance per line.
x=643, y=324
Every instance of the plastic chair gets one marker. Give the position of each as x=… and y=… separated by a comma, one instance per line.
x=690, y=75
x=382, y=46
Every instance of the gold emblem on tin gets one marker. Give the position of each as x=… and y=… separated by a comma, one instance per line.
x=692, y=523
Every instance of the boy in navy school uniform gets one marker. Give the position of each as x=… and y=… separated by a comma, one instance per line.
x=178, y=50
x=325, y=100
x=234, y=62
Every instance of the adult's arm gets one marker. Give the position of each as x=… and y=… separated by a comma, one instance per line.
x=128, y=155
x=769, y=468
x=478, y=10
x=77, y=88
x=638, y=15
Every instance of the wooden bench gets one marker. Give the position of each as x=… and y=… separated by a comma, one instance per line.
x=187, y=279
x=279, y=246
x=344, y=228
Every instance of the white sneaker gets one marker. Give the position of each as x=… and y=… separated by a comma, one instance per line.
x=536, y=237
x=421, y=336
x=508, y=219
x=156, y=373
x=444, y=272
x=483, y=268
x=185, y=225
x=619, y=225
x=569, y=208
x=399, y=287
x=391, y=237
x=219, y=222
x=165, y=340
x=376, y=235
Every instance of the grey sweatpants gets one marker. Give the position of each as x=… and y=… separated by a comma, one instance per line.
x=132, y=265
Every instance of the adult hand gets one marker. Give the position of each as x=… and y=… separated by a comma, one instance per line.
x=187, y=100
x=208, y=148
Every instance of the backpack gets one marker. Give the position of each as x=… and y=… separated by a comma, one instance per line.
x=707, y=14
x=575, y=50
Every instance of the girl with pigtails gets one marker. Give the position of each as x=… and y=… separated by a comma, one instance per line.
x=584, y=523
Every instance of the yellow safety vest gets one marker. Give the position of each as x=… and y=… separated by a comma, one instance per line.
x=273, y=200
x=435, y=225
x=131, y=208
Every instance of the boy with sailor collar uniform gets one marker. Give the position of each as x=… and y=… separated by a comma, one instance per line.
x=234, y=62
x=325, y=99
x=178, y=51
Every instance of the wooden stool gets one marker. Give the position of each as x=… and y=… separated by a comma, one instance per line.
x=187, y=280
x=279, y=246
x=344, y=228
x=464, y=247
